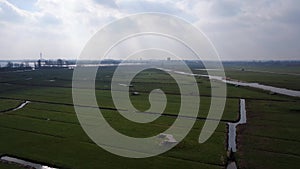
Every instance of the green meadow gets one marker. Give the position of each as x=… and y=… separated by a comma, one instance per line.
x=47, y=130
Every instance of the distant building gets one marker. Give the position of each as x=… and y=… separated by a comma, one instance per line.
x=40, y=62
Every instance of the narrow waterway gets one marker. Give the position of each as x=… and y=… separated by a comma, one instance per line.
x=273, y=89
x=16, y=108
x=278, y=90
x=25, y=163
x=21, y=106
x=232, y=127
x=232, y=135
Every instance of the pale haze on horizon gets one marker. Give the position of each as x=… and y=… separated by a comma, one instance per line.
x=240, y=30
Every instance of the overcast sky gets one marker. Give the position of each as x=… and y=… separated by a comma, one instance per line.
x=240, y=30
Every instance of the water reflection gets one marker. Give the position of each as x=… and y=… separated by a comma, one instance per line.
x=25, y=163
x=278, y=90
x=232, y=127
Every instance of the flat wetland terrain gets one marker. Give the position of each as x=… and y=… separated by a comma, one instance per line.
x=47, y=130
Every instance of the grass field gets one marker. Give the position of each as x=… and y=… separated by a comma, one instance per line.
x=47, y=130
x=272, y=132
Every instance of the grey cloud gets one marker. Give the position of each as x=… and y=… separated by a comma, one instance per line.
x=226, y=8
x=28, y=5
x=137, y=6
x=291, y=17
x=9, y=14
x=261, y=30
x=108, y=3
x=48, y=19
x=244, y=30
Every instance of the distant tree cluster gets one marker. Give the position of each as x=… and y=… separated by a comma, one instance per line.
x=17, y=65
x=52, y=63
x=41, y=63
